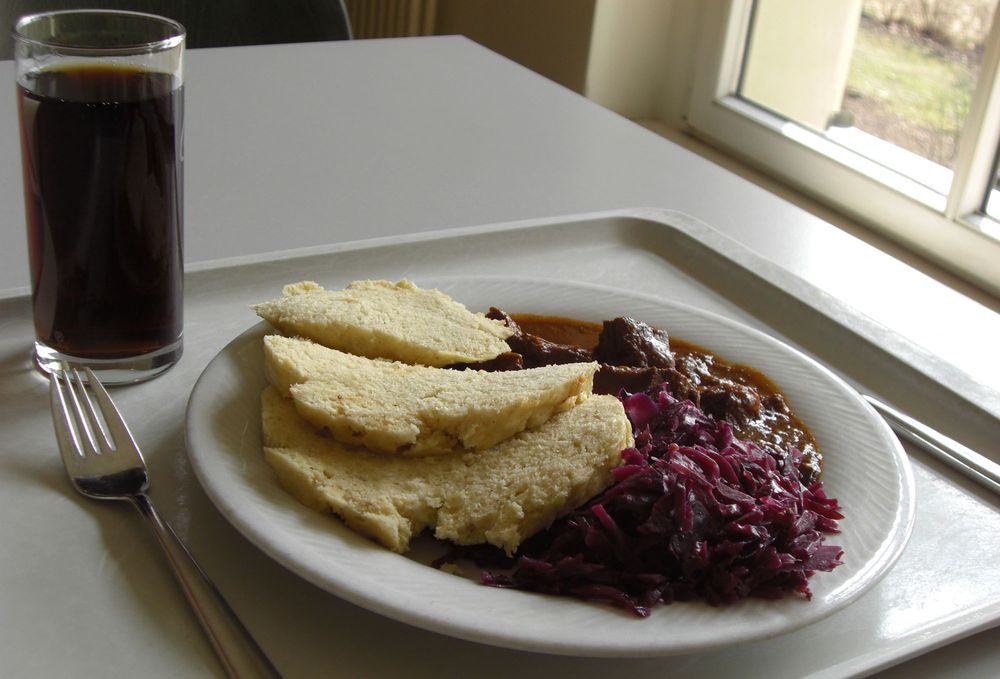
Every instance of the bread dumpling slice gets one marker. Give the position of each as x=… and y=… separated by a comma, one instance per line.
x=380, y=319
x=501, y=497
x=392, y=407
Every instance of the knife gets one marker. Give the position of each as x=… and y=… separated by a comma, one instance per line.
x=975, y=466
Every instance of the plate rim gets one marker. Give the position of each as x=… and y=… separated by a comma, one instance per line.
x=878, y=564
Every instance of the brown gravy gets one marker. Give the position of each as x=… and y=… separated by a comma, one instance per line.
x=776, y=425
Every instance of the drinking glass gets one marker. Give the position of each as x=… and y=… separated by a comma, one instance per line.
x=100, y=105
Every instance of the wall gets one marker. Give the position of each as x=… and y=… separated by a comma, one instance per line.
x=616, y=52
x=551, y=37
x=627, y=56
x=631, y=56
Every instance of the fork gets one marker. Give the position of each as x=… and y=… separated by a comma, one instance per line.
x=104, y=462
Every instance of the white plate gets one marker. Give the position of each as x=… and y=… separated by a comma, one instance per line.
x=866, y=470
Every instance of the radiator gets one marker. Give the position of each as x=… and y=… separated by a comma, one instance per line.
x=391, y=18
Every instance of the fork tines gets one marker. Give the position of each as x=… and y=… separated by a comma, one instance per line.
x=93, y=438
x=72, y=401
x=72, y=404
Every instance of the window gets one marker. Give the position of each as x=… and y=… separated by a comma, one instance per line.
x=991, y=205
x=888, y=109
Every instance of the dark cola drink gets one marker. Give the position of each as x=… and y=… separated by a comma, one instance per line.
x=103, y=164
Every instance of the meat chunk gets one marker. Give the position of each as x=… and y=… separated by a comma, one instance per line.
x=537, y=352
x=501, y=315
x=613, y=379
x=508, y=360
x=626, y=341
x=682, y=387
x=737, y=403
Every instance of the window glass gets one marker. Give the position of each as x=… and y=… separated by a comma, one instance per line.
x=889, y=79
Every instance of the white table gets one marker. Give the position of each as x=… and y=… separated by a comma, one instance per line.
x=292, y=146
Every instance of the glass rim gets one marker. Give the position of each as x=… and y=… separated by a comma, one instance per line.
x=178, y=33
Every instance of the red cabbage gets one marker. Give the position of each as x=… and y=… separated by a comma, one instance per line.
x=693, y=514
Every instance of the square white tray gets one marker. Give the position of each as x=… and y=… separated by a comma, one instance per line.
x=944, y=587
x=933, y=595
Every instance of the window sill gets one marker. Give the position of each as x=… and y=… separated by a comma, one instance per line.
x=824, y=212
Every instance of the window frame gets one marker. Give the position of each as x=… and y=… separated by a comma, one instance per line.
x=950, y=230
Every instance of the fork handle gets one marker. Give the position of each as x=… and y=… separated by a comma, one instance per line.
x=238, y=652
